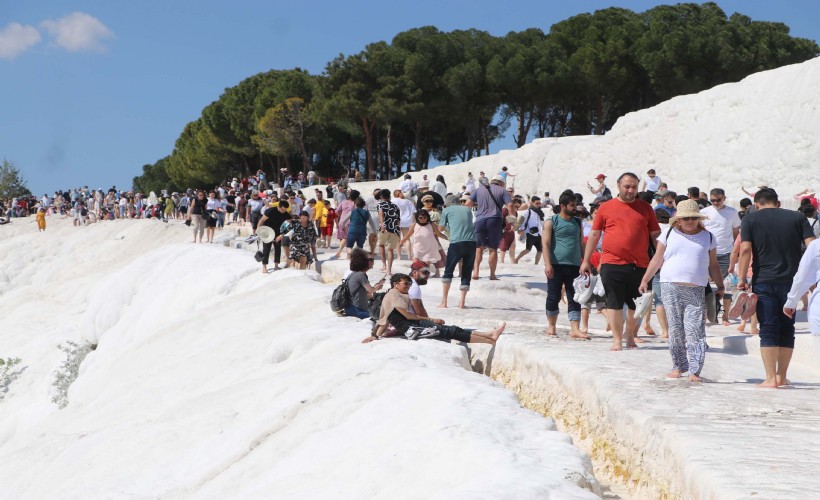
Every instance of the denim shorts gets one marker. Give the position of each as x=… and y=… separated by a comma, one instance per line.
x=488, y=232
x=776, y=329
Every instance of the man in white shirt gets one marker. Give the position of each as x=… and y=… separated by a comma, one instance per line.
x=724, y=223
x=408, y=185
x=419, y=273
x=406, y=210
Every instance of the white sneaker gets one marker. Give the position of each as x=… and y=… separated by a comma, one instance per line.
x=599, y=287
x=583, y=286
x=643, y=303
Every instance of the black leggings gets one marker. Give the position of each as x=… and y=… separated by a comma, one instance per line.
x=445, y=332
x=277, y=252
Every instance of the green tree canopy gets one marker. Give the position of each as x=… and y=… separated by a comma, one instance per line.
x=447, y=95
x=12, y=184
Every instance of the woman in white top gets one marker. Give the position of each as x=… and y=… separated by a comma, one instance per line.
x=808, y=274
x=652, y=182
x=440, y=186
x=688, y=254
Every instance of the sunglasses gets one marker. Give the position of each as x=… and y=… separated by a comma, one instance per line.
x=716, y=200
x=427, y=201
x=689, y=219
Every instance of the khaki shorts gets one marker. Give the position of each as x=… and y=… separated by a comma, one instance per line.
x=389, y=240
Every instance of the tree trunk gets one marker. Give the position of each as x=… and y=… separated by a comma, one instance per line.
x=305, y=156
x=389, y=146
x=368, y=149
x=419, y=162
x=599, y=115
x=524, y=124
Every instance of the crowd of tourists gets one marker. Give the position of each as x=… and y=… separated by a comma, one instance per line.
x=634, y=245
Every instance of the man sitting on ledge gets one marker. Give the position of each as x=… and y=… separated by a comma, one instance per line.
x=395, y=311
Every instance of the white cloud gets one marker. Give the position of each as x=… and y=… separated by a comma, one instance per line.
x=79, y=32
x=16, y=39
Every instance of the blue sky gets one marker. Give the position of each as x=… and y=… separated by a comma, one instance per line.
x=93, y=90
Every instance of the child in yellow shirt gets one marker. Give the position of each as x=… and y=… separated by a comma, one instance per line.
x=41, y=219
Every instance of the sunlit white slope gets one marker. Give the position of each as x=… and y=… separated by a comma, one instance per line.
x=213, y=381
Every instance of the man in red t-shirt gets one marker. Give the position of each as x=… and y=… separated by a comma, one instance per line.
x=629, y=224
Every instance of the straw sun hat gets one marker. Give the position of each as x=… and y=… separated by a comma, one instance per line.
x=687, y=208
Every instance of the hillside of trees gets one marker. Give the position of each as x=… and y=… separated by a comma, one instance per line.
x=447, y=96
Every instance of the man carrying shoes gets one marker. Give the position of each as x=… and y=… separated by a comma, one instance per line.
x=773, y=236
x=630, y=226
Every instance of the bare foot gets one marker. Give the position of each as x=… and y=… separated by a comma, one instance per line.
x=497, y=332
x=673, y=374
x=726, y=322
x=579, y=335
x=615, y=347
x=639, y=340
x=493, y=278
x=264, y=270
x=741, y=326
x=694, y=378
x=583, y=330
x=550, y=331
x=443, y=305
x=368, y=339
x=783, y=383
x=768, y=384
x=663, y=336
x=754, y=331
x=631, y=346
x=649, y=331
x=474, y=277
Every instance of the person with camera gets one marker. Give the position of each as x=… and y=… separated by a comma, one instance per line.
x=361, y=291
x=563, y=240
x=531, y=228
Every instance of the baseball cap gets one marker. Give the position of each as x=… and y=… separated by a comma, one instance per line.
x=600, y=176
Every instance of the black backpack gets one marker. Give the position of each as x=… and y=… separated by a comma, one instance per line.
x=606, y=194
x=374, y=305
x=340, y=299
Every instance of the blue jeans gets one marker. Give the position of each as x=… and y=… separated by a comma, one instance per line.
x=776, y=329
x=464, y=252
x=562, y=277
x=354, y=311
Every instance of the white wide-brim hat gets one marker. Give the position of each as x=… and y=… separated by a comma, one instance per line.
x=266, y=234
x=687, y=208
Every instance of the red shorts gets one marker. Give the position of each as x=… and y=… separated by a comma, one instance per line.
x=327, y=230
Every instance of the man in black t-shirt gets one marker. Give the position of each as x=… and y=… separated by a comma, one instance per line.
x=273, y=217
x=773, y=236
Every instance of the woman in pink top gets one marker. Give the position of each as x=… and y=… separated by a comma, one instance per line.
x=425, y=239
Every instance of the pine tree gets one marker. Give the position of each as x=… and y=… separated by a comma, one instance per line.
x=12, y=184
